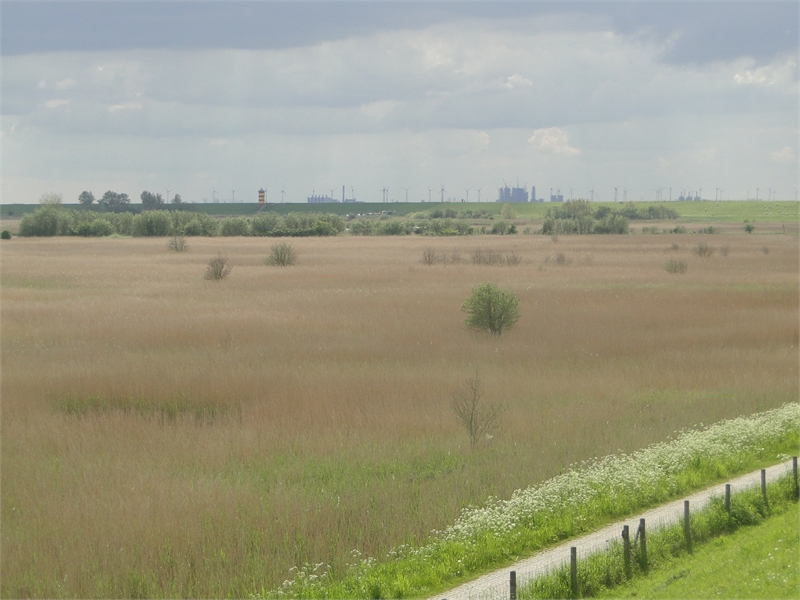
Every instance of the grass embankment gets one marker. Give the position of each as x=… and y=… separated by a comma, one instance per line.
x=754, y=562
x=164, y=435
x=751, y=552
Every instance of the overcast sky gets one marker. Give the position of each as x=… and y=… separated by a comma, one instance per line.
x=204, y=98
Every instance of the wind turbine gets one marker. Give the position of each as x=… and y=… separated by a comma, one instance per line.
x=283, y=193
x=233, y=196
x=615, y=195
x=479, y=193
x=167, y=194
x=592, y=192
x=331, y=189
x=571, y=189
x=442, y=192
x=406, y=189
x=429, y=194
x=467, y=190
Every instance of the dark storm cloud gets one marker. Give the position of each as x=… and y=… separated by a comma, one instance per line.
x=700, y=31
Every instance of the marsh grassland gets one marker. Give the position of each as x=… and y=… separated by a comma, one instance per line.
x=165, y=435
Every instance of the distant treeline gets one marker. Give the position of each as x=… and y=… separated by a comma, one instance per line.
x=579, y=216
x=52, y=220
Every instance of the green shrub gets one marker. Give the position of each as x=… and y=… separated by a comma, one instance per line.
x=490, y=308
x=101, y=227
x=47, y=220
x=153, y=223
x=264, y=225
x=281, y=255
x=5, y=235
x=235, y=226
x=749, y=227
x=362, y=227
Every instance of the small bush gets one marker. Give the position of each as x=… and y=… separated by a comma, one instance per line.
x=235, y=226
x=676, y=266
x=218, y=268
x=724, y=250
x=491, y=309
x=177, y=243
x=674, y=247
x=704, y=250
x=765, y=250
x=429, y=256
x=281, y=255
x=5, y=235
x=749, y=227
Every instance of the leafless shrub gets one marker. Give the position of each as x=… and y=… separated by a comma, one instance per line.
x=281, y=255
x=481, y=421
x=218, y=268
x=704, y=250
x=429, y=256
x=765, y=250
x=177, y=243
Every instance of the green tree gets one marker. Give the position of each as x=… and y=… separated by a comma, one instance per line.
x=177, y=199
x=114, y=202
x=151, y=201
x=86, y=199
x=490, y=308
x=51, y=199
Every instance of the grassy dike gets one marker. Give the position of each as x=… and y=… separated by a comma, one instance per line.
x=577, y=501
x=669, y=559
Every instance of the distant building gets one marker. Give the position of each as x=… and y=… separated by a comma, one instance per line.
x=322, y=200
x=533, y=195
x=509, y=194
x=557, y=197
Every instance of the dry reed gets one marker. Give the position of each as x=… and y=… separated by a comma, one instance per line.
x=331, y=387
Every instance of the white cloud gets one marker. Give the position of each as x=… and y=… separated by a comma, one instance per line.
x=552, y=140
x=785, y=155
x=65, y=84
x=55, y=103
x=124, y=106
x=517, y=80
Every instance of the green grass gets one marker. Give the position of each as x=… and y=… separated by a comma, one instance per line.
x=754, y=562
x=670, y=563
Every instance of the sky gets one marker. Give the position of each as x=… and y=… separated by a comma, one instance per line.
x=214, y=100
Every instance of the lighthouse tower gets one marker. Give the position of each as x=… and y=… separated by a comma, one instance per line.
x=262, y=196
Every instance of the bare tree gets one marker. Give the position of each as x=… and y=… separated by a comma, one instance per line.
x=479, y=419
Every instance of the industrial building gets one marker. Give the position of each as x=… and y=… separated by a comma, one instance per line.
x=509, y=194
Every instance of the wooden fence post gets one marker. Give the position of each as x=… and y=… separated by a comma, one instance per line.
x=573, y=571
x=728, y=498
x=513, y=585
x=764, y=486
x=687, y=531
x=643, y=542
x=626, y=550
x=794, y=471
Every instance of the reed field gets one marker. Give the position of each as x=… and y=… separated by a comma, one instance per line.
x=166, y=435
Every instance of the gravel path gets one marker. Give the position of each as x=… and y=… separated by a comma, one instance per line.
x=496, y=583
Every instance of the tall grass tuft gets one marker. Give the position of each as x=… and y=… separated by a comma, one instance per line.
x=704, y=250
x=281, y=255
x=676, y=266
